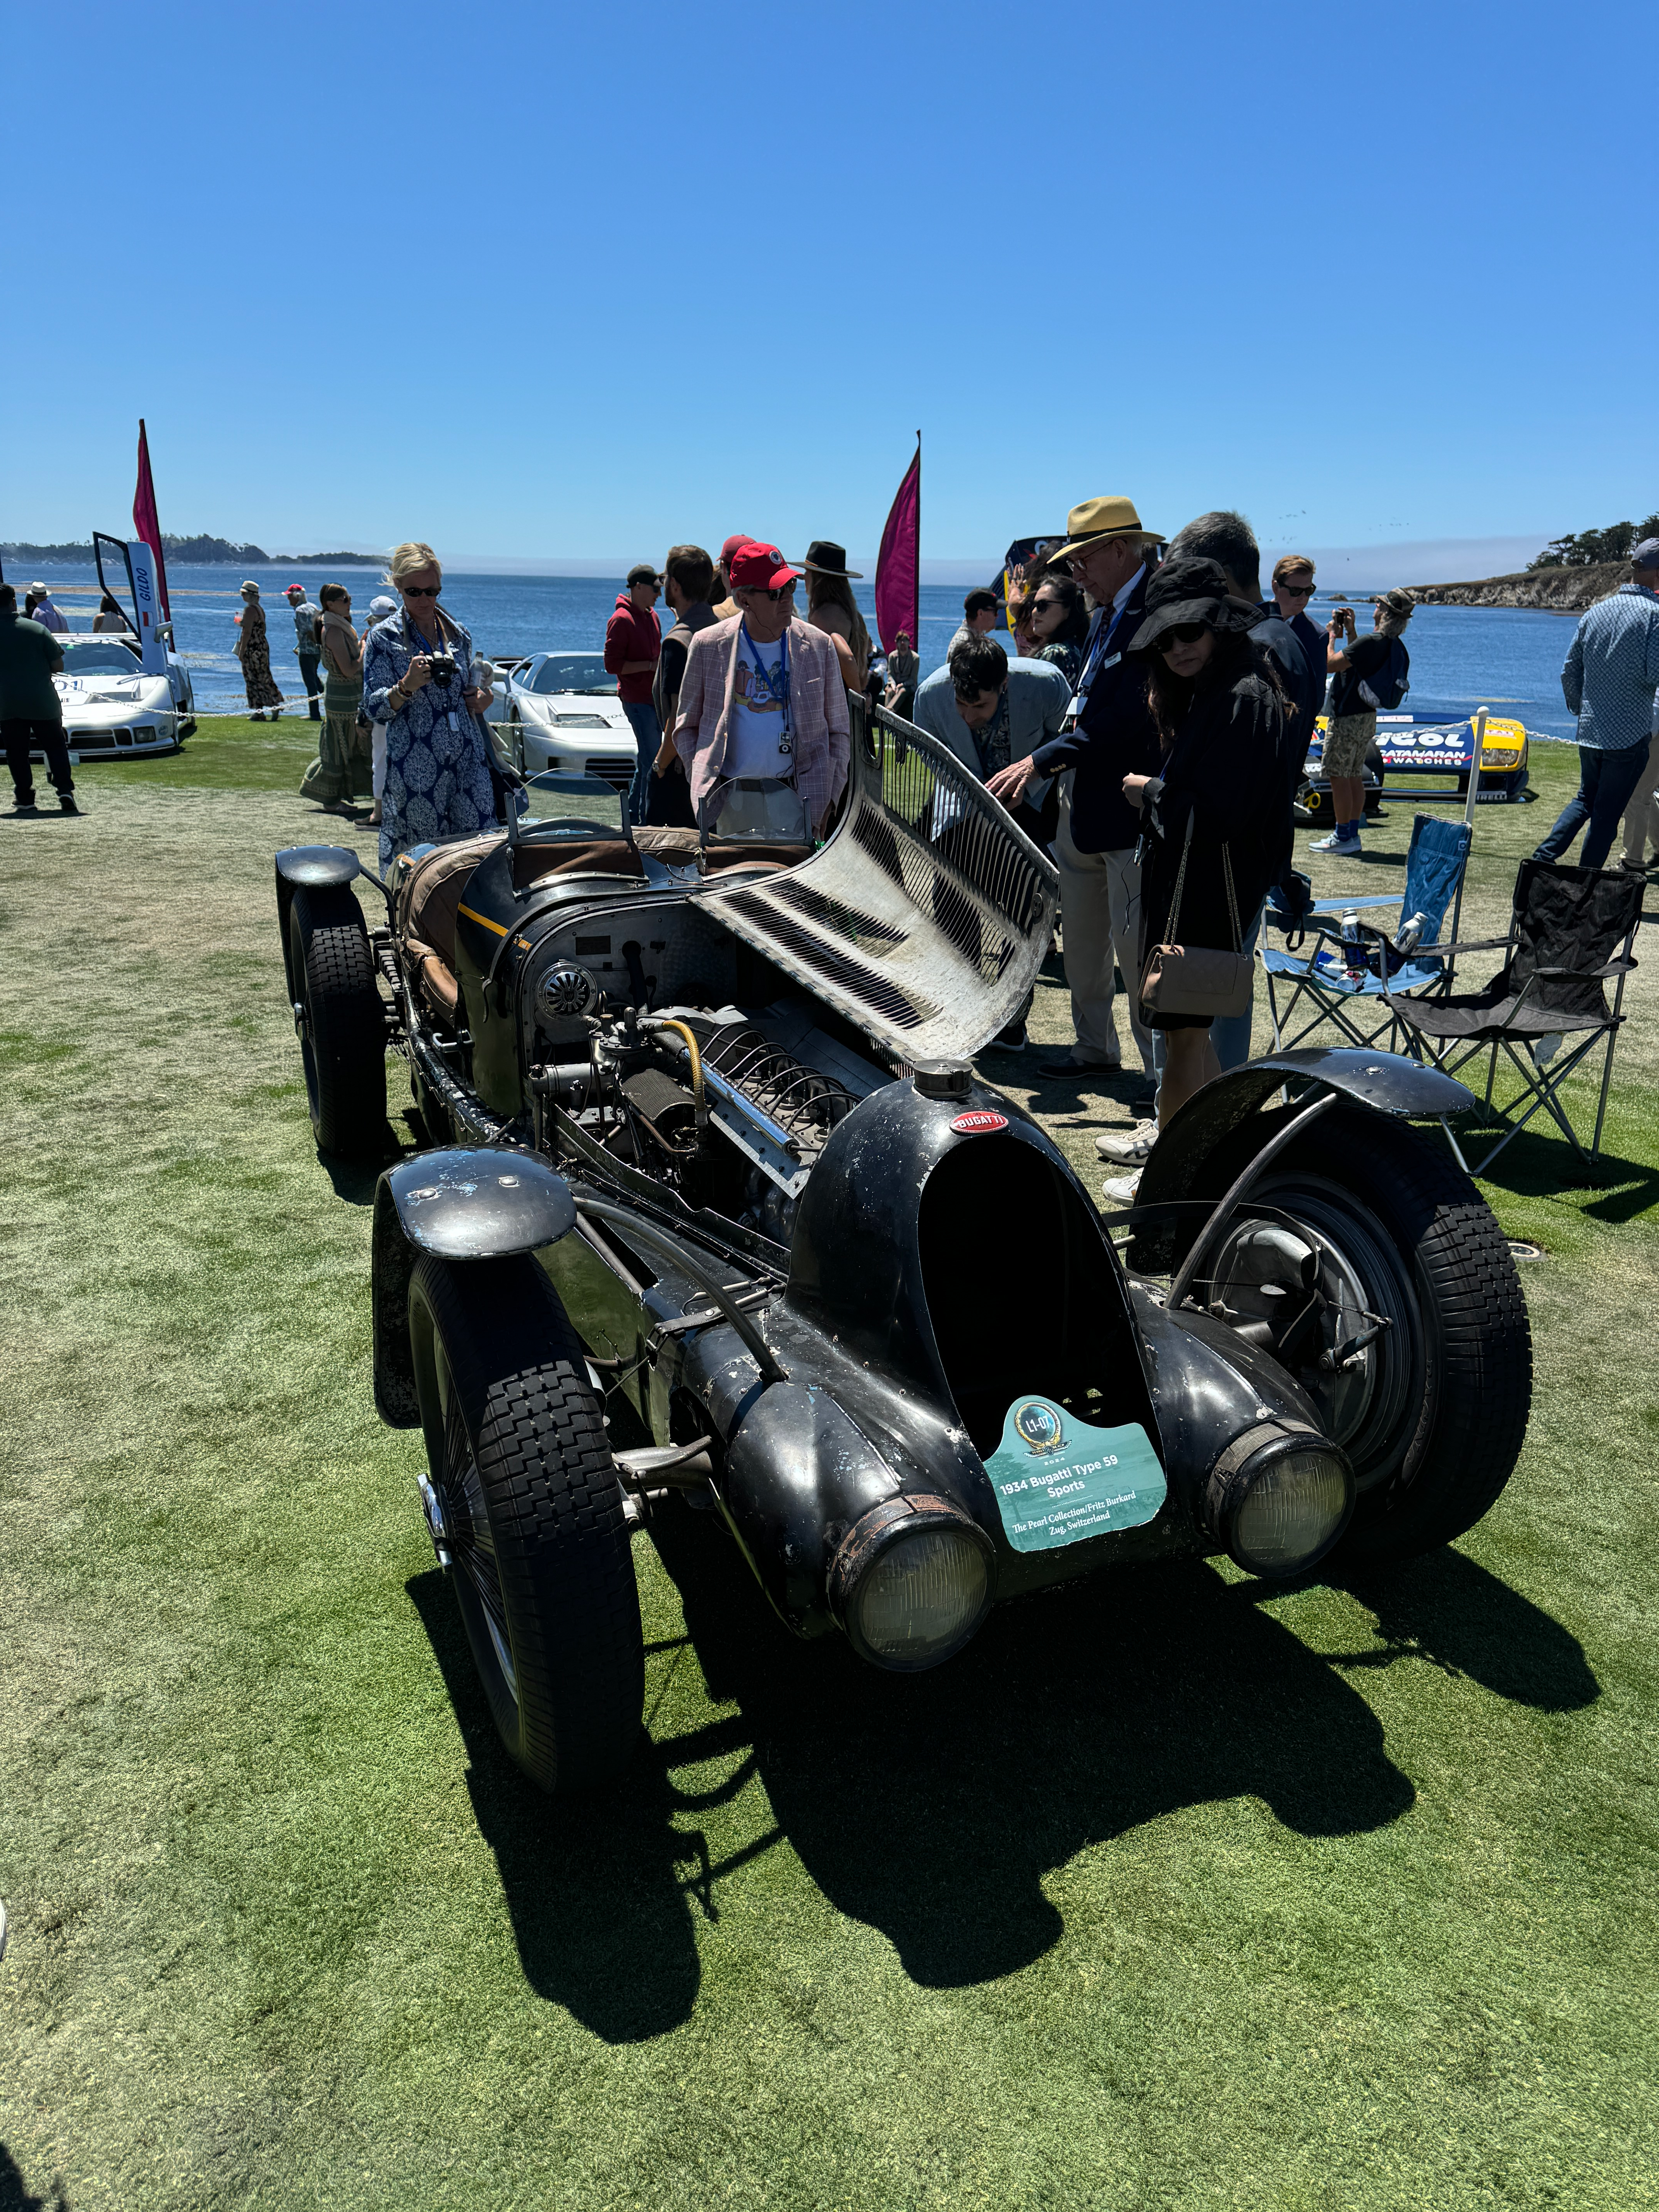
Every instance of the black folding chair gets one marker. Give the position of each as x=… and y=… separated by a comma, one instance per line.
x=1570, y=929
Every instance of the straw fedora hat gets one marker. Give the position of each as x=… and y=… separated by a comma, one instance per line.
x=829, y=559
x=1096, y=518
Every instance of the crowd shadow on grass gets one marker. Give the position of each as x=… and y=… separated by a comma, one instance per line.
x=16, y=2196
x=1541, y=1163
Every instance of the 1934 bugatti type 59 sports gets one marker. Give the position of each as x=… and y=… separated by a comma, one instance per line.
x=715, y=1205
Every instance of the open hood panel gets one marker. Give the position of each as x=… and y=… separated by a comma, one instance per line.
x=924, y=919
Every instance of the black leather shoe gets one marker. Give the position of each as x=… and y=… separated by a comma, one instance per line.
x=66, y=801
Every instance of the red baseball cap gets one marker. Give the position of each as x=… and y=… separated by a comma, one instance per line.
x=758, y=567
x=738, y=538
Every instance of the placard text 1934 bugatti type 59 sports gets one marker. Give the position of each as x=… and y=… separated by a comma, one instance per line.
x=716, y=1213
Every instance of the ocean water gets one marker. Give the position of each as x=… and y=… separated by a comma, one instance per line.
x=1508, y=659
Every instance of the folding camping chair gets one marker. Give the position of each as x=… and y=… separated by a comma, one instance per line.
x=1570, y=929
x=1345, y=987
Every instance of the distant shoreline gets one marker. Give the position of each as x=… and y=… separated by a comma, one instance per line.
x=1545, y=591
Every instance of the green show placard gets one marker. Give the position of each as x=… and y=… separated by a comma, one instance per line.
x=1057, y=1481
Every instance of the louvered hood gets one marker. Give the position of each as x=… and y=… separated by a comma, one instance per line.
x=925, y=918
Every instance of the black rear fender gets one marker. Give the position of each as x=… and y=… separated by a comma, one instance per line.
x=1218, y=1130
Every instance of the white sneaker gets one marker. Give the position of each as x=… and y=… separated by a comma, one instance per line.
x=1120, y=1189
x=1346, y=846
x=1132, y=1146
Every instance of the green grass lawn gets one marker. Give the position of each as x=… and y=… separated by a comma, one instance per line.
x=1169, y=1892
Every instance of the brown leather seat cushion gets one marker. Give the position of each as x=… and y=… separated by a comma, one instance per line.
x=436, y=888
x=434, y=980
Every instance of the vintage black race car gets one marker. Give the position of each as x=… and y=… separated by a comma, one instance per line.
x=717, y=1214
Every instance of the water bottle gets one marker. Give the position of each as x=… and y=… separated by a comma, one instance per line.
x=1410, y=933
x=1353, y=952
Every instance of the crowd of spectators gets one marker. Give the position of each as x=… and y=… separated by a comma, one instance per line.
x=1149, y=729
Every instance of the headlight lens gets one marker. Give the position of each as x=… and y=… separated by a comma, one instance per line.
x=1279, y=1501
x=911, y=1583
x=1290, y=1512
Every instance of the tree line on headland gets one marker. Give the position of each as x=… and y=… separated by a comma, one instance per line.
x=1590, y=549
x=1570, y=574
x=192, y=552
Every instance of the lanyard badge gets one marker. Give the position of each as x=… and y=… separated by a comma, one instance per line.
x=767, y=687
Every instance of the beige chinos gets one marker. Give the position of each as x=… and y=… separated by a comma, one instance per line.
x=1100, y=916
x=1641, y=815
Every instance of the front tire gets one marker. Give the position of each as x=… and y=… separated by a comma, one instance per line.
x=341, y=1020
x=1384, y=1227
x=523, y=1505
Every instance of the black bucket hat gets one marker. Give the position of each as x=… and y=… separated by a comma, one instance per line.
x=1191, y=590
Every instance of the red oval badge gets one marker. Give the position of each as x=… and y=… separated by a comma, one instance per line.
x=979, y=1123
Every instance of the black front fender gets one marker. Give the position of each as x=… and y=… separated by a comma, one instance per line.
x=457, y=1204
x=1381, y=1082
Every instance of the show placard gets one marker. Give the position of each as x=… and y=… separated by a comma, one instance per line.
x=1059, y=1479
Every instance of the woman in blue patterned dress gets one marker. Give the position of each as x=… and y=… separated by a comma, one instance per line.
x=438, y=783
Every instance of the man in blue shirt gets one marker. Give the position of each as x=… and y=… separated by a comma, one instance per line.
x=1611, y=673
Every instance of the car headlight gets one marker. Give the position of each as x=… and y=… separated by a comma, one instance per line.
x=910, y=1583
x=1278, y=1499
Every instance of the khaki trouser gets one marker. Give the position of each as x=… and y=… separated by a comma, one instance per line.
x=1100, y=914
x=1641, y=815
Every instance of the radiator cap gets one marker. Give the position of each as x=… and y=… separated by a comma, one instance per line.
x=943, y=1078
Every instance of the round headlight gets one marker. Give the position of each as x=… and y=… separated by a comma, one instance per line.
x=911, y=1582
x=1279, y=1498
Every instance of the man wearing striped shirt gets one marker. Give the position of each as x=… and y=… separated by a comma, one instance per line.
x=1609, y=679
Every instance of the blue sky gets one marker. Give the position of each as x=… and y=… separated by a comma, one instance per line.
x=555, y=282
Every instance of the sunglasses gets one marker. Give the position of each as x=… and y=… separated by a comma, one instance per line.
x=1043, y=607
x=1297, y=591
x=1180, y=633
x=420, y=591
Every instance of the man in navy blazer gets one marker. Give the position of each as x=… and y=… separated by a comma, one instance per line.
x=1109, y=734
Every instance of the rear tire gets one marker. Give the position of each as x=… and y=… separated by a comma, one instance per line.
x=341, y=1022
x=1437, y=1414
x=526, y=1502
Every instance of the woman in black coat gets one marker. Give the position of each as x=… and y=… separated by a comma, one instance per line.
x=1222, y=718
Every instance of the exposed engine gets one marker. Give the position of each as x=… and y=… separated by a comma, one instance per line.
x=706, y=1102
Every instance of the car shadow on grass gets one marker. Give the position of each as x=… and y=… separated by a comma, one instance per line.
x=1449, y=1611
x=596, y=1888
x=933, y=1807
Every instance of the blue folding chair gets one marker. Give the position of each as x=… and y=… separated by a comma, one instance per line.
x=1346, y=984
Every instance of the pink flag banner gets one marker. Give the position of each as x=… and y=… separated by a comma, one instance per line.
x=145, y=520
x=898, y=565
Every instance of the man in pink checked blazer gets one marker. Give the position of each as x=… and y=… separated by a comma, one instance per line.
x=762, y=697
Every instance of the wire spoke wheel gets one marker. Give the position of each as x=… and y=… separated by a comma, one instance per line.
x=1380, y=1282
x=1328, y=1295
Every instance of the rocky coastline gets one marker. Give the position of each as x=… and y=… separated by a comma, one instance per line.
x=1553, y=590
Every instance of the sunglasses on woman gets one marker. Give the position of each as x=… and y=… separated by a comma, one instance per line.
x=420, y=591
x=1179, y=634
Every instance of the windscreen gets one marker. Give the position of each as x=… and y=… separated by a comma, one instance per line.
x=98, y=657
x=572, y=672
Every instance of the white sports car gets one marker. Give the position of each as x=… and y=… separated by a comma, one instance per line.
x=113, y=708
x=561, y=711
